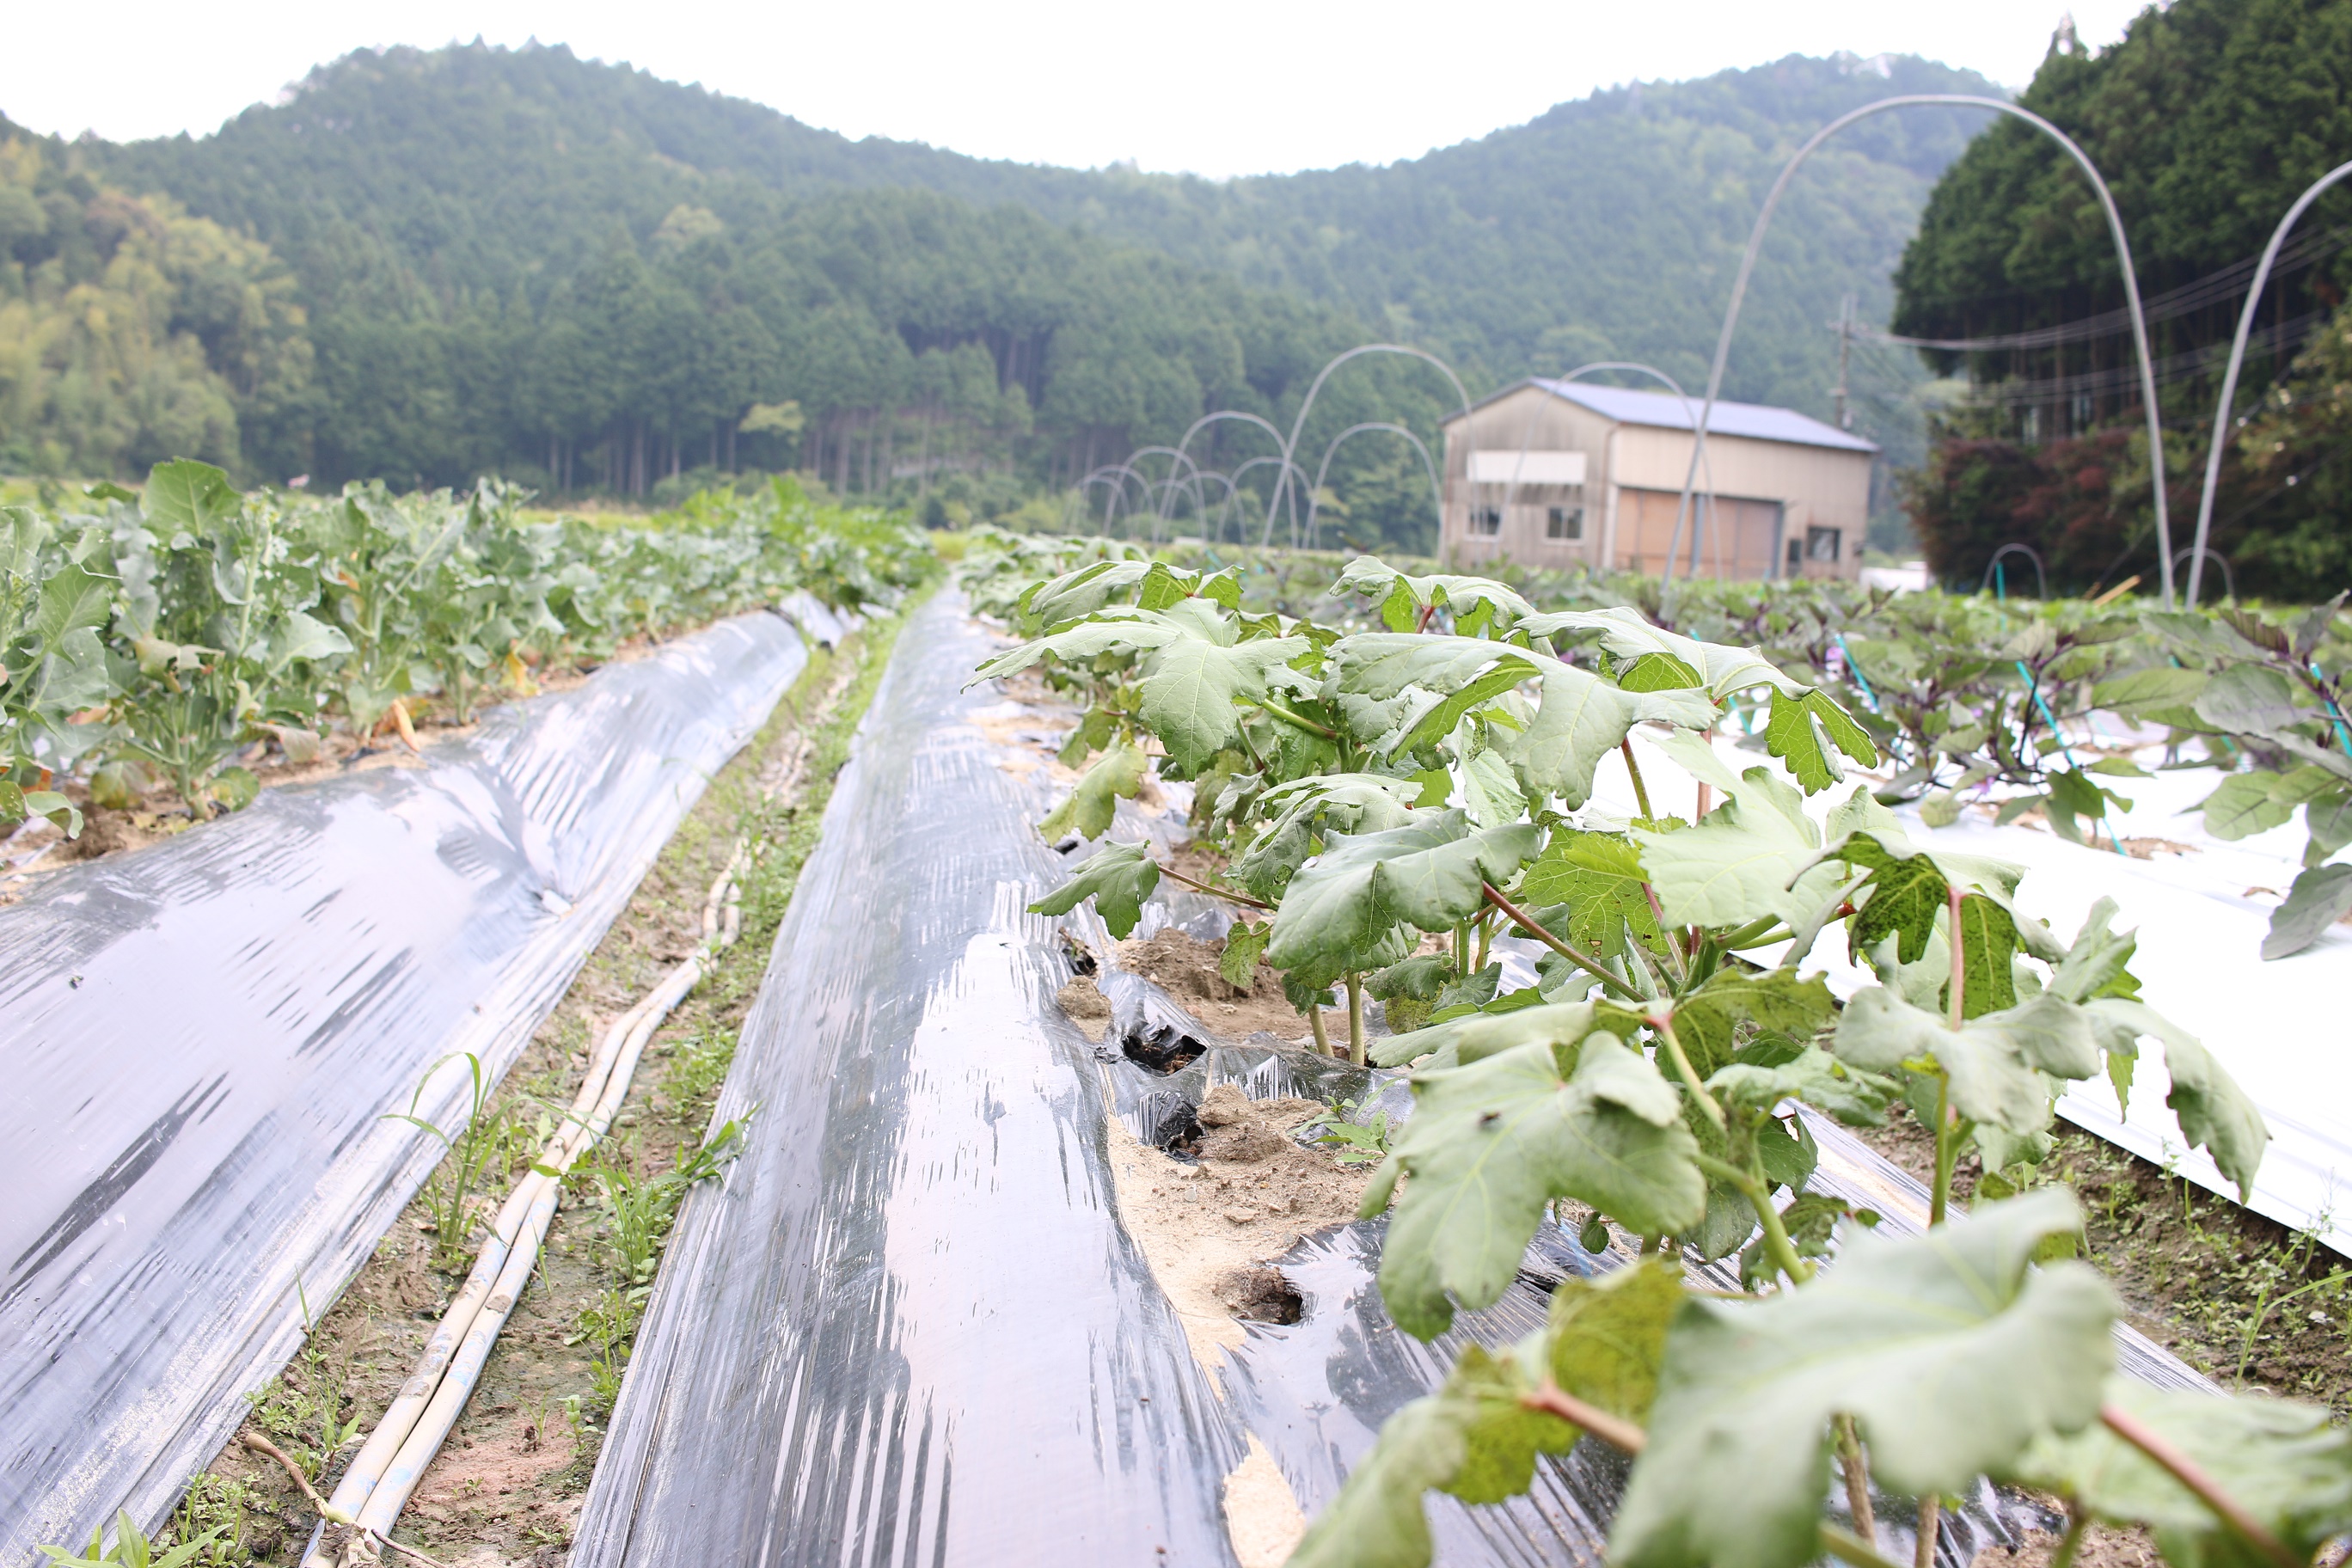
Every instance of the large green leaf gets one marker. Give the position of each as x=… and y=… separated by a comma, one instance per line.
x=304, y=635
x=1582, y=719
x=2096, y=964
x=2160, y=686
x=1988, y=953
x=1951, y=1352
x=1296, y=813
x=1477, y=1036
x=1472, y=1439
x=190, y=497
x=1798, y=727
x=2320, y=896
x=1378, y=664
x=74, y=676
x=1755, y=855
x=1114, y=631
x=73, y=599
x=1490, y=1143
x=1477, y=602
x=2211, y=1109
x=1117, y=775
x=1608, y=1336
x=1490, y=791
x=2252, y=699
x=1854, y=1097
x=1342, y=912
x=1994, y=1063
x=1075, y=594
x=1720, y=670
x=1116, y=876
x=1191, y=683
x=1775, y=1001
x=1909, y=887
x=1440, y=720
x=2288, y=1464
x=1598, y=876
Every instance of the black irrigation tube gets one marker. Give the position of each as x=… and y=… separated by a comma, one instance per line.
x=201, y=1040
x=909, y=1326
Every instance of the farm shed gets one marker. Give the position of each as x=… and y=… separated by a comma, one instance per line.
x=1555, y=473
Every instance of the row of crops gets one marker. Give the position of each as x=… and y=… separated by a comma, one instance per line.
x=1972, y=696
x=1400, y=783
x=175, y=633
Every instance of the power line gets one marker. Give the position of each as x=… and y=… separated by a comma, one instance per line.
x=2198, y=294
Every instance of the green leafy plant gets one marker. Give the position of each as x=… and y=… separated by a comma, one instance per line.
x=1430, y=781
x=55, y=599
x=133, y=1549
x=1351, y=1141
x=471, y=1161
x=182, y=630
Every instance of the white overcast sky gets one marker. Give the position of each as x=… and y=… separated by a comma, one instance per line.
x=1214, y=87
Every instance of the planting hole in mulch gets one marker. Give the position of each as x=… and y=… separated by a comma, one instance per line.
x=1164, y=1050
x=1179, y=1133
x=1253, y=1192
x=1259, y=1294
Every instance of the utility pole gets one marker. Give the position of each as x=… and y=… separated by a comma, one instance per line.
x=1846, y=342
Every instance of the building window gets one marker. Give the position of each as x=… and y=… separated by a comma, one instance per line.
x=1565, y=525
x=1485, y=522
x=1822, y=544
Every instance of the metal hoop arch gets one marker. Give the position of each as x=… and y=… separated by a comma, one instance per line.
x=1287, y=469
x=1205, y=420
x=1298, y=425
x=2041, y=579
x=2199, y=552
x=2230, y=378
x=1314, y=496
x=2122, y=256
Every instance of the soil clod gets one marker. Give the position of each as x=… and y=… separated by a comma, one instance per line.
x=1186, y=968
x=1087, y=1006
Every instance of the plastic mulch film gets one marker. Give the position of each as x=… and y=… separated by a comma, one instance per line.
x=907, y=1326
x=203, y=1041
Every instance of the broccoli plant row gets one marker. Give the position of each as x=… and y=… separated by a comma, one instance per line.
x=170, y=629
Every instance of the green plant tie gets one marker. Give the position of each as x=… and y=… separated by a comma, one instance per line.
x=2064, y=750
x=2342, y=734
x=1854, y=668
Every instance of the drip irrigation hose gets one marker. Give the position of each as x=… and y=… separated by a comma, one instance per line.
x=393, y=1459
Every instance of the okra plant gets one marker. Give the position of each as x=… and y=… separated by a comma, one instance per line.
x=1396, y=801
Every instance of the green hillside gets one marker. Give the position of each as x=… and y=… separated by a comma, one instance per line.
x=519, y=259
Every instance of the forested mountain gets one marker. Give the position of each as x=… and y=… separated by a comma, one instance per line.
x=2207, y=120
x=519, y=259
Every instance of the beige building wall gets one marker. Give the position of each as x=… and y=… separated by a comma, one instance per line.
x=1769, y=496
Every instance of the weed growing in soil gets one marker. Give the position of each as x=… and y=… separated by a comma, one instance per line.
x=133, y=1550
x=470, y=1166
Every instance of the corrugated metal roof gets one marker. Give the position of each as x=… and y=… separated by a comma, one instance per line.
x=1665, y=411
